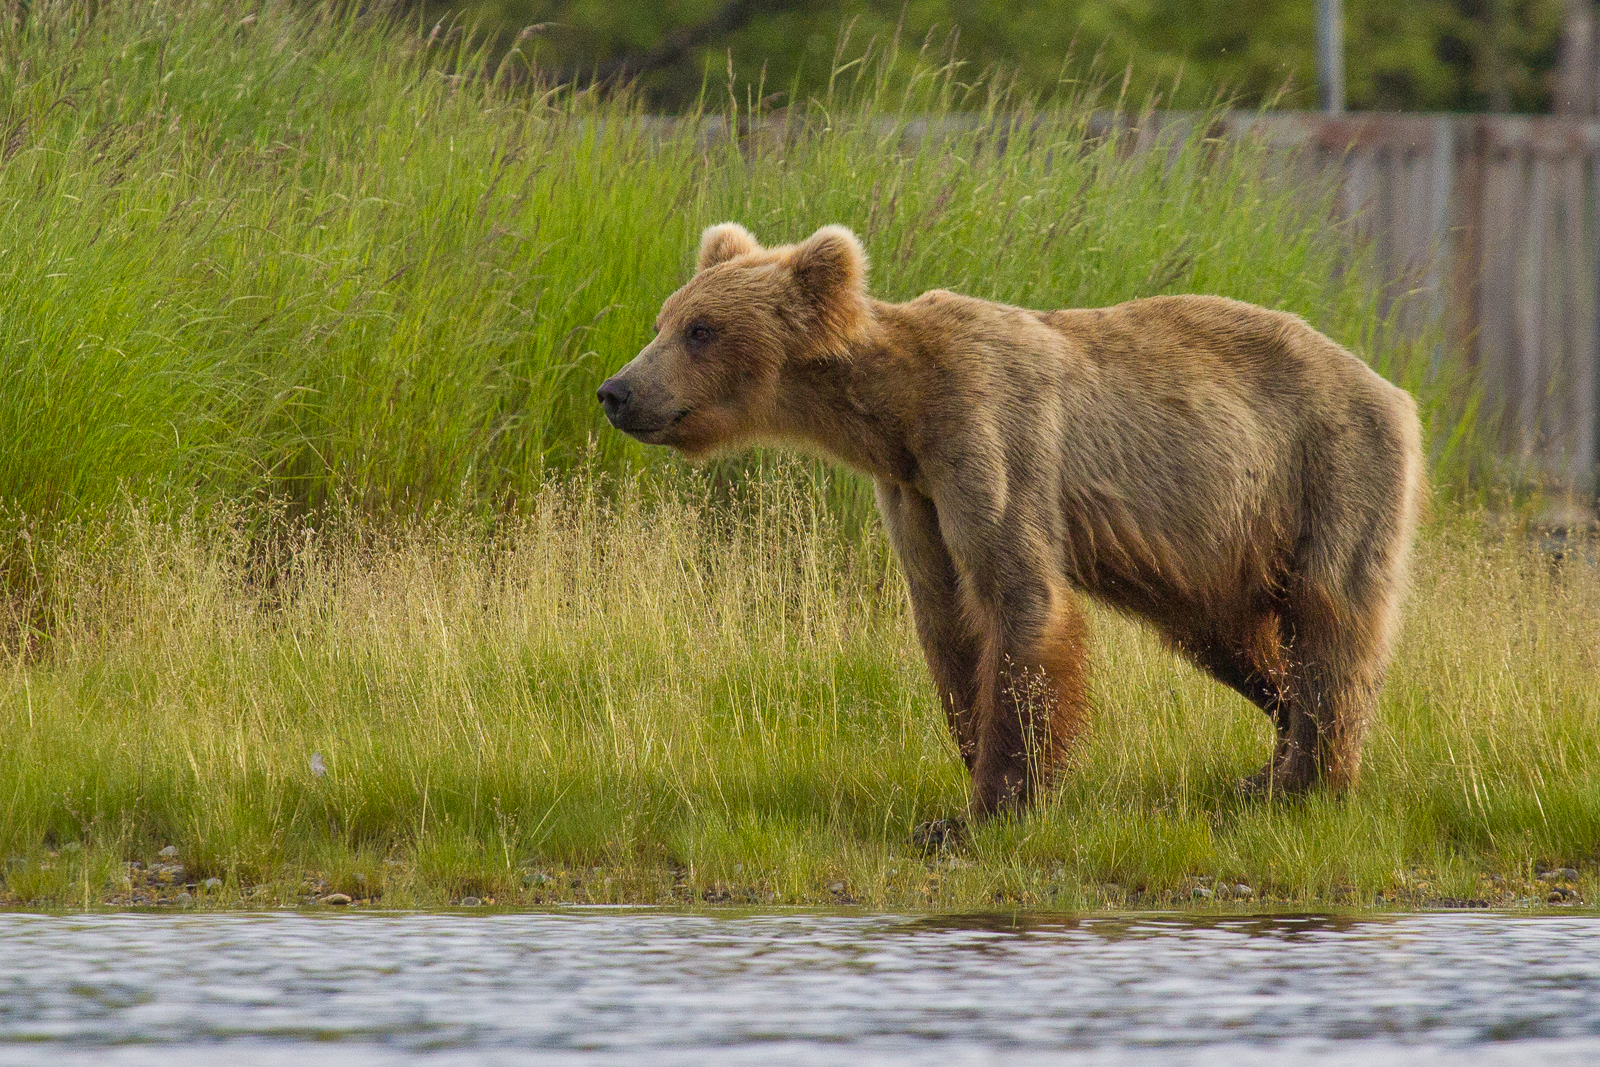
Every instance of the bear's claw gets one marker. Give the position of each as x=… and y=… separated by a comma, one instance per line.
x=1275, y=781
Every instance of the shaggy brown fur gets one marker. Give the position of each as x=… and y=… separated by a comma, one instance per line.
x=1225, y=472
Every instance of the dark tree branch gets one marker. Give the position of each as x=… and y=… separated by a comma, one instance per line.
x=730, y=18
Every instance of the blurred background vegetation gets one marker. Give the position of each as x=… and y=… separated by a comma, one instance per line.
x=1421, y=55
x=322, y=255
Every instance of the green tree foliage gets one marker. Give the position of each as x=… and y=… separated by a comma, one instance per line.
x=1440, y=55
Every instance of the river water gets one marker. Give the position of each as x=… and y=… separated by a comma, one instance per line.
x=600, y=986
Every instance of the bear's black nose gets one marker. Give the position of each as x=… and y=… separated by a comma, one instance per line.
x=614, y=396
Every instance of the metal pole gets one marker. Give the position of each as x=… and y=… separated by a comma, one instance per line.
x=1330, y=55
x=1576, y=67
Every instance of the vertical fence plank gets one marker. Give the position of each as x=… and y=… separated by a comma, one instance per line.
x=1497, y=333
x=1530, y=302
x=1440, y=251
x=1582, y=283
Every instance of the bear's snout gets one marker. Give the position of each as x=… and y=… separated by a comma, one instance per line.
x=614, y=396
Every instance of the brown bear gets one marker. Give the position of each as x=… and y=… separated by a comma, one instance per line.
x=1225, y=472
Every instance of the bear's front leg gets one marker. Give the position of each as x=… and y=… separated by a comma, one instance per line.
x=1033, y=694
x=949, y=644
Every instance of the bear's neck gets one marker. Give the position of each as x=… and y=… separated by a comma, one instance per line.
x=841, y=409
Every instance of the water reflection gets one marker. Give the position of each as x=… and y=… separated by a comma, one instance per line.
x=653, y=987
x=1121, y=927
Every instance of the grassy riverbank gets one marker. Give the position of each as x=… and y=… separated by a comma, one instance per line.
x=644, y=697
x=422, y=629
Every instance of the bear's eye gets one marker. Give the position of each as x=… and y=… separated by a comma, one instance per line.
x=700, y=334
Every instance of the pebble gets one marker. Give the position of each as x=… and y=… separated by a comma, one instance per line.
x=466, y=902
x=1242, y=890
x=183, y=899
x=334, y=898
x=836, y=887
x=1559, y=874
x=169, y=853
x=211, y=883
x=1202, y=893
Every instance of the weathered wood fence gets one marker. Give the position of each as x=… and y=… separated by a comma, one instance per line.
x=1486, y=230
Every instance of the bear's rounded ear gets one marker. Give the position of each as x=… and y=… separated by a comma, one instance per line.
x=722, y=242
x=830, y=265
x=830, y=270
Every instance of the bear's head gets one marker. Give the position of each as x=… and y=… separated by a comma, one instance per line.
x=710, y=378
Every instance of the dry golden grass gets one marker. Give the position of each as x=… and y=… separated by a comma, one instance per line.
x=638, y=695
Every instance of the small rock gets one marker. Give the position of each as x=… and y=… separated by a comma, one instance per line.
x=836, y=887
x=466, y=902
x=1560, y=895
x=1202, y=893
x=334, y=898
x=183, y=899
x=211, y=883
x=318, y=768
x=1242, y=890
x=1560, y=874
x=169, y=853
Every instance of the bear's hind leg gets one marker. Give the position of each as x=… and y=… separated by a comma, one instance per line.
x=1341, y=613
x=1335, y=669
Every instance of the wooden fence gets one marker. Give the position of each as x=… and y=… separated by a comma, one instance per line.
x=1485, y=229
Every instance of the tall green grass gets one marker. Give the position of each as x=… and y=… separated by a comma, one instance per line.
x=641, y=695
x=314, y=254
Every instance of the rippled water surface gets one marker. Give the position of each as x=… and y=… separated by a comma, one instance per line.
x=598, y=986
